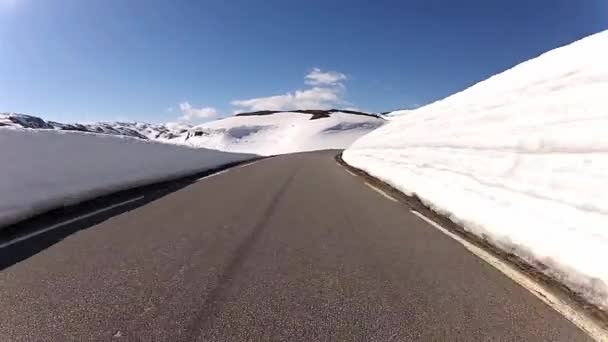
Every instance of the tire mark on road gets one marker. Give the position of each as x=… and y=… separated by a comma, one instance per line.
x=204, y=318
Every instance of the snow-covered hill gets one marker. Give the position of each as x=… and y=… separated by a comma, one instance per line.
x=520, y=158
x=263, y=133
x=270, y=132
x=130, y=129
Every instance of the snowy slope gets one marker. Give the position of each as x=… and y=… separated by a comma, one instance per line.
x=521, y=158
x=130, y=129
x=44, y=169
x=265, y=132
x=397, y=113
x=281, y=132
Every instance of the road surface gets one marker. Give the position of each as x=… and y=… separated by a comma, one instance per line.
x=289, y=248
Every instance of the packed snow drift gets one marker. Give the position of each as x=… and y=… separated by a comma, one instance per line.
x=45, y=169
x=269, y=133
x=520, y=159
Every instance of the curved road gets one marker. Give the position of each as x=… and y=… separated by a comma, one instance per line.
x=289, y=248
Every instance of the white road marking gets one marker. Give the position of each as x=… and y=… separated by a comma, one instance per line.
x=381, y=192
x=59, y=225
x=256, y=161
x=244, y=165
x=588, y=325
x=351, y=173
x=249, y=164
x=213, y=175
x=226, y=170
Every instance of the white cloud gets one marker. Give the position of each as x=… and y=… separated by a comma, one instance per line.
x=314, y=98
x=327, y=92
x=190, y=113
x=319, y=78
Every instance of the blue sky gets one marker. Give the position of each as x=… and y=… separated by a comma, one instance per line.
x=153, y=60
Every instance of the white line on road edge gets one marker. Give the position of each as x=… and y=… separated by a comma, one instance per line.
x=228, y=169
x=589, y=326
x=381, y=192
x=249, y=164
x=213, y=175
x=352, y=174
x=59, y=225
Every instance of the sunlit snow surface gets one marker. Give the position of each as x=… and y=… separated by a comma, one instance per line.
x=280, y=133
x=521, y=158
x=42, y=169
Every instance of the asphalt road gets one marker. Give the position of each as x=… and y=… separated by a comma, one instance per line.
x=291, y=248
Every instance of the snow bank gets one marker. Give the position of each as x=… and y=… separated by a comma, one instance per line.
x=279, y=133
x=44, y=169
x=521, y=158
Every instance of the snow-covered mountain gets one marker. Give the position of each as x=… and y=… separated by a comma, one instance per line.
x=520, y=159
x=130, y=129
x=273, y=132
x=263, y=132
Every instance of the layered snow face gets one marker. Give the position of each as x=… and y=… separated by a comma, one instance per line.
x=279, y=133
x=45, y=169
x=521, y=159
